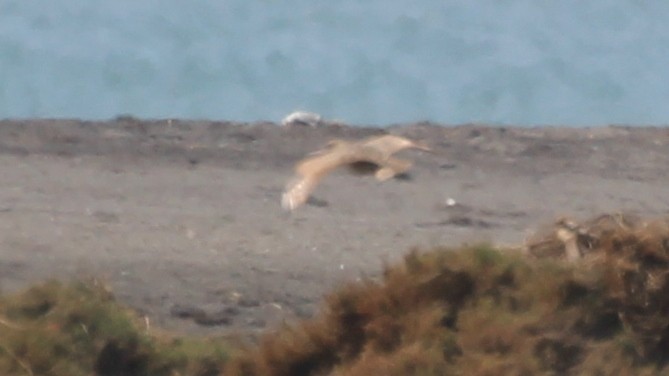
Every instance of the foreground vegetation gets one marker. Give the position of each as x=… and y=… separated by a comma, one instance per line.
x=79, y=329
x=470, y=311
x=481, y=311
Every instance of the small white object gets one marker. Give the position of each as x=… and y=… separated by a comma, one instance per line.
x=301, y=118
x=450, y=202
x=341, y=266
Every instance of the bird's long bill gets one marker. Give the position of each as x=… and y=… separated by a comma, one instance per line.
x=422, y=146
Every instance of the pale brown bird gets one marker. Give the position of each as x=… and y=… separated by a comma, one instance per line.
x=573, y=240
x=372, y=155
x=570, y=234
x=581, y=239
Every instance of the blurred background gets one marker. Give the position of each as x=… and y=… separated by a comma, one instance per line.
x=375, y=62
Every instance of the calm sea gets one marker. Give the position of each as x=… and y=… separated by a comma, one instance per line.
x=375, y=62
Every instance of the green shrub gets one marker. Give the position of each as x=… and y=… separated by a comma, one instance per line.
x=78, y=328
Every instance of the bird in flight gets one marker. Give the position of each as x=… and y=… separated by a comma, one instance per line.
x=371, y=155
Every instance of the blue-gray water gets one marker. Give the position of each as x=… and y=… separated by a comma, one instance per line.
x=522, y=62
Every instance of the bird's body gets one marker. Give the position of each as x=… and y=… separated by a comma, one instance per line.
x=570, y=234
x=369, y=155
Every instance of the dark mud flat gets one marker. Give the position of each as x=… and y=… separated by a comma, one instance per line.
x=182, y=218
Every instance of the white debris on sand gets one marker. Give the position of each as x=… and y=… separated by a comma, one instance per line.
x=302, y=118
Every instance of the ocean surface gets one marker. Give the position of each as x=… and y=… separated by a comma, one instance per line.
x=374, y=62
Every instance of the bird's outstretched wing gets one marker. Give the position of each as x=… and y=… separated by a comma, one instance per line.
x=389, y=144
x=391, y=167
x=310, y=172
x=297, y=192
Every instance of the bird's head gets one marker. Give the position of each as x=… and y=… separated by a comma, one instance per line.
x=567, y=224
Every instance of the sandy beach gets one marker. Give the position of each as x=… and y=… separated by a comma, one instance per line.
x=183, y=220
